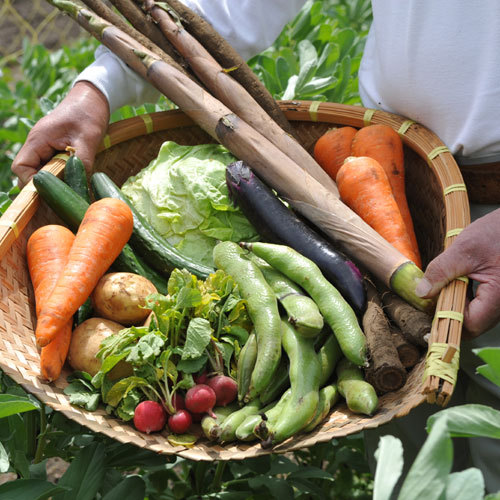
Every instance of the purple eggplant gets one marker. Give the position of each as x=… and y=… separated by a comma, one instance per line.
x=276, y=223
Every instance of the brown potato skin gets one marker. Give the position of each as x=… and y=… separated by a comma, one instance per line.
x=119, y=297
x=85, y=342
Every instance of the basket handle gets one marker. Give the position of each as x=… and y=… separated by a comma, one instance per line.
x=24, y=206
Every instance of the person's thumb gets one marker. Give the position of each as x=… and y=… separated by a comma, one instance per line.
x=440, y=271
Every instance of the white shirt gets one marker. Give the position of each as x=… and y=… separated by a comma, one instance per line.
x=438, y=63
x=434, y=61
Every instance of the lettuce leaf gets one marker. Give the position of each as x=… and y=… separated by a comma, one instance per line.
x=183, y=194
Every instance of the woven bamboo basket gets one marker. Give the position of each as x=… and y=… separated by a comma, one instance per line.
x=438, y=202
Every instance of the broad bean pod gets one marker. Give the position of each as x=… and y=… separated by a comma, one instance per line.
x=262, y=308
x=302, y=311
x=304, y=386
x=246, y=364
x=335, y=309
x=360, y=396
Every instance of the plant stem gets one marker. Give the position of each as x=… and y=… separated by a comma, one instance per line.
x=221, y=465
x=44, y=427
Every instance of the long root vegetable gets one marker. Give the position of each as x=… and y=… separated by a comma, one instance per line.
x=415, y=325
x=386, y=372
x=365, y=188
x=104, y=231
x=47, y=252
x=408, y=353
x=382, y=143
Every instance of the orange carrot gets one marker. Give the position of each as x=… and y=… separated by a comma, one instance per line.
x=383, y=144
x=103, y=232
x=332, y=148
x=365, y=188
x=47, y=252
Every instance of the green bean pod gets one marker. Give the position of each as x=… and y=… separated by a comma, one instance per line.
x=211, y=426
x=328, y=355
x=261, y=429
x=246, y=364
x=281, y=382
x=234, y=420
x=262, y=308
x=328, y=396
x=245, y=431
x=360, y=396
x=334, y=308
x=304, y=386
x=302, y=311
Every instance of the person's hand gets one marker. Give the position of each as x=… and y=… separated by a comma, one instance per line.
x=474, y=253
x=80, y=121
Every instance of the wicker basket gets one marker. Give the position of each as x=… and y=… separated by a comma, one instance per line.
x=439, y=205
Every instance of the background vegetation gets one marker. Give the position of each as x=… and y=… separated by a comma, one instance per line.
x=316, y=57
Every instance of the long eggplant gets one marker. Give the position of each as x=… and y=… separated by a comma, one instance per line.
x=276, y=223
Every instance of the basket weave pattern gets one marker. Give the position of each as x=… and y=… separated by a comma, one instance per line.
x=129, y=146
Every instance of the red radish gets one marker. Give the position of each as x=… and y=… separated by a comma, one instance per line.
x=178, y=402
x=225, y=388
x=149, y=416
x=179, y=422
x=200, y=399
x=201, y=378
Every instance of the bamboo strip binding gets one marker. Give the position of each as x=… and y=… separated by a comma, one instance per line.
x=129, y=146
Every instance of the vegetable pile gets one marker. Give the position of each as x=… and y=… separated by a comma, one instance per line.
x=258, y=344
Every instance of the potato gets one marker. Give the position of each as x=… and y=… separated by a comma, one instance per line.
x=85, y=343
x=119, y=297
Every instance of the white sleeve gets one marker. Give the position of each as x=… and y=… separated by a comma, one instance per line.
x=250, y=26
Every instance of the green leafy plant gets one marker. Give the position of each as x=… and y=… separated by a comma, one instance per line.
x=430, y=475
x=317, y=56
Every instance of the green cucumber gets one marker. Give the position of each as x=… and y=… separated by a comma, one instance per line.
x=71, y=208
x=75, y=177
x=145, y=239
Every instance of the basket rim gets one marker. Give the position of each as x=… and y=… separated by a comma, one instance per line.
x=25, y=205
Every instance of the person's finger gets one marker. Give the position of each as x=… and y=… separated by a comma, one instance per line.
x=86, y=150
x=482, y=312
x=444, y=268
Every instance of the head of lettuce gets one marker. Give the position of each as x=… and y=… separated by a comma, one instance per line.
x=183, y=194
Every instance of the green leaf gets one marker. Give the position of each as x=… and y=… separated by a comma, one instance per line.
x=389, y=457
x=279, y=488
x=146, y=349
x=126, y=408
x=11, y=405
x=192, y=365
x=80, y=394
x=311, y=473
x=131, y=488
x=198, y=335
x=428, y=474
x=85, y=474
x=308, y=62
x=32, y=489
x=491, y=355
x=465, y=485
x=470, y=420
x=122, y=388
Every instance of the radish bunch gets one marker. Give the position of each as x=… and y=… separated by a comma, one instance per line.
x=151, y=416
